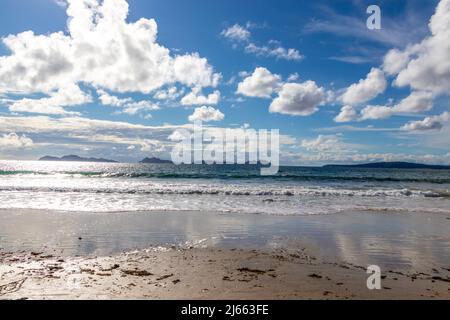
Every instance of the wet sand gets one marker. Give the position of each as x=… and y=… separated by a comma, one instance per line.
x=206, y=274
x=49, y=255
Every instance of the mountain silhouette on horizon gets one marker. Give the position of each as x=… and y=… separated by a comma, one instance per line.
x=390, y=165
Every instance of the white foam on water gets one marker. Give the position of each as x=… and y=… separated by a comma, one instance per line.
x=108, y=192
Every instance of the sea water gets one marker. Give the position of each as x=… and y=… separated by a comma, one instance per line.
x=104, y=187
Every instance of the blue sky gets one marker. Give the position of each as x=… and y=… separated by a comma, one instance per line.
x=99, y=84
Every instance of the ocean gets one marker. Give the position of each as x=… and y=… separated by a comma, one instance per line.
x=115, y=188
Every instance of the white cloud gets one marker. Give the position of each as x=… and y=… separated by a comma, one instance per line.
x=418, y=101
x=237, y=33
x=171, y=93
x=366, y=89
x=152, y=146
x=376, y=112
x=61, y=3
x=53, y=104
x=61, y=126
x=206, y=114
x=394, y=61
x=323, y=143
x=331, y=148
x=241, y=37
x=14, y=141
x=68, y=134
x=192, y=70
x=328, y=149
x=355, y=157
x=425, y=66
x=429, y=123
x=109, y=100
x=293, y=77
x=176, y=136
x=352, y=59
x=347, y=114
x=298, y=99
x=274, y=51
x=136, y=107
x=262, y=84
x=197, y=98
x=244, y=74
x=130, y=106
x=100, y=49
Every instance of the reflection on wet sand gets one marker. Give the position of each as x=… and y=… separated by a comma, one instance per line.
x=394, y=241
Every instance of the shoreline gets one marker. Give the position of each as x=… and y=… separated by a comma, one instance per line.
x=418, y=241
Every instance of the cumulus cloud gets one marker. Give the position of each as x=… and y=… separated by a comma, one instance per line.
x=197, y=98
x=429, y=123
x=366, y=89
x=376, y=112
x=334, y=148
x=171, y=93
x=323, y=143
x=425, y=66
x=416, y=102
x=109, y=100
x=192, y=70
x=70, y=95
x=347, y=114
x=206, y=114
x=14, y=141
x=100, y=49
x=129, y=106
x=298, y=99
x=261, y=84
x=237, y=32
x=394, y=61
x=136, y=107
x=176, y=136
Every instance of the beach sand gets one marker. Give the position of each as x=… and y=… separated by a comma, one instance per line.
x=205, y=274
x=319, y=257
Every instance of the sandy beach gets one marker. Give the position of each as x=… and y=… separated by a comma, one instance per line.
x=311, y=260
x=206, y=274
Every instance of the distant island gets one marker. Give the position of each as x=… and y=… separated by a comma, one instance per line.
x=391, y=165
x=74, y=158
x=155, y=161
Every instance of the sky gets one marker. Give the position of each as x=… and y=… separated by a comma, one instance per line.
x=117, y=79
